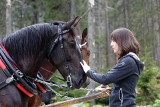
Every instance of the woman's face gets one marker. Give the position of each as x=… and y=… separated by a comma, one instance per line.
x=114, y=46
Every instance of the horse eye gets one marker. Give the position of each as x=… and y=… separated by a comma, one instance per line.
x=69, y=59
x=72, y=44
x=88, y=53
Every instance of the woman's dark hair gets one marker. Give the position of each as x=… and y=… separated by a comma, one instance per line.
x=126, y=41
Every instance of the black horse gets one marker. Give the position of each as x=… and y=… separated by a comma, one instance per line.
x=22, y=54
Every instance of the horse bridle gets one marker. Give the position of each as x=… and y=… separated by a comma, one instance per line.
x=60, y=34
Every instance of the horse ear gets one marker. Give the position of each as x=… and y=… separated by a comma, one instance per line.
x=77, y=19
x=84, y=35
x=72, y=23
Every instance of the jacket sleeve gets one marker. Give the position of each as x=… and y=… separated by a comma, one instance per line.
x=123, y=69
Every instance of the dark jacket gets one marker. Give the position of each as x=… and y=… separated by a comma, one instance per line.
x=124, y=77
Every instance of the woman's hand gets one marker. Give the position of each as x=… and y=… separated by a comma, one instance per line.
x=103, y=88
x=85, y=66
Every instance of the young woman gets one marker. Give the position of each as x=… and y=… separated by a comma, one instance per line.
x=125, y=74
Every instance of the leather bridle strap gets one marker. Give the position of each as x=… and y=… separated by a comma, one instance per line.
x=59, y=37
x=69, y=79
x=54, y=42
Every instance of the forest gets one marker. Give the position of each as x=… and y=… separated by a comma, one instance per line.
x=101, y=17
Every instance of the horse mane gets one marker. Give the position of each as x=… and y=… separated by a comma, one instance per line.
x=28, y=40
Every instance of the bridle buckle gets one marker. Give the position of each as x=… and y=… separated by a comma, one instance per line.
x=69, y=81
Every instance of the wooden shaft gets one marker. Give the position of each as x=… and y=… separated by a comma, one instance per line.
x=78, y=100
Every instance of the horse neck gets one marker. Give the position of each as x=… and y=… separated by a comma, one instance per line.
x=47, y=69
x=28, y=50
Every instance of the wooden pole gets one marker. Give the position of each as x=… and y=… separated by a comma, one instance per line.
x=78, y=100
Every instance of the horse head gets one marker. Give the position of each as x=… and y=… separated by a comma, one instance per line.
x=66, y=54
x=47, y=69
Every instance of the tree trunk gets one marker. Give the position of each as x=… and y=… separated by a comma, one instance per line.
x=41, y=11
x=91, y=41
x=110, y=57
x=125, y=13
x=157, y=32
x=73, y=8
x=100, y=34
x=8, y=17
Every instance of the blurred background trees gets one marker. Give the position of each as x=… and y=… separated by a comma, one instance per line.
x=140, y=16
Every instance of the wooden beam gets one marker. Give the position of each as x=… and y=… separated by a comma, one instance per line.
x=78, y=100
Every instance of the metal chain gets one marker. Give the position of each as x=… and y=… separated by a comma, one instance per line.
x=51, y=84
x=48, y=83
x=61, y=86
x=58, y=94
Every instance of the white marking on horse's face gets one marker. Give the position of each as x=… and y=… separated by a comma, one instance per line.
x=82, y=45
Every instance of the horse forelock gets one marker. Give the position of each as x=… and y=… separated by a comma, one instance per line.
x=29, y=40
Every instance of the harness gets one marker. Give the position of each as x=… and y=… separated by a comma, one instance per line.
x=14, y=75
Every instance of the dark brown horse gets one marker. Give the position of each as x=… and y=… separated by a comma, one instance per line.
x=48, y=69
x=27, y=49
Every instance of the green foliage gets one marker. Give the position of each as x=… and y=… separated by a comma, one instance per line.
x=147, y=91
x=56, y=10
x=156, y=104
x=87, y=105
x=80, y=10
x=77, y=93
x=103, y=101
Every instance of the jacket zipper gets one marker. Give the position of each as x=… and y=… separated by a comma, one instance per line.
x=121, y=96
